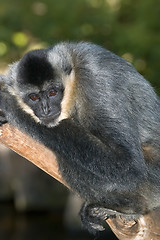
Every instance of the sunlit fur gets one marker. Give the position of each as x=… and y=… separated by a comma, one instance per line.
x=106, y=135
x=67, y=103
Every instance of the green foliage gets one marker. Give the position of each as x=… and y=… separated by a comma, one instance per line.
x=129, y=28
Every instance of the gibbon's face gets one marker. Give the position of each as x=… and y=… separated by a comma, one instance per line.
x=40, y=86
x=46, y=104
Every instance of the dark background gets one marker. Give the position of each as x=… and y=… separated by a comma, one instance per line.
x=129, y=28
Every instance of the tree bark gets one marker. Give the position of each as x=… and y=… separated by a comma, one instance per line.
x=147, y=227
x=30, y=149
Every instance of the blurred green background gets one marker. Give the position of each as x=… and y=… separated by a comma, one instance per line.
x=129, y=28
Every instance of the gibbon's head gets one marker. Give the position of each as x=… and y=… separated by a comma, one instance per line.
x=44, y=84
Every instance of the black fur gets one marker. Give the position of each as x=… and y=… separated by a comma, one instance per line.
x=108, y=149
x=34, y=68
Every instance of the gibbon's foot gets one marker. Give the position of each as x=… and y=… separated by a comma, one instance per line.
x=94, y=217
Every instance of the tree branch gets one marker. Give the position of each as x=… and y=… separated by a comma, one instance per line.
x=30, y=149
x=147, y=227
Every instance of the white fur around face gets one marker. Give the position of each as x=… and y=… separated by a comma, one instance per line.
x=23, y=106
x=68, y=98
x=55, y=58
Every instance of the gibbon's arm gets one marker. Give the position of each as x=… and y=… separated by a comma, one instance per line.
x=30, y=149
x=79, y=152
x=146, y=227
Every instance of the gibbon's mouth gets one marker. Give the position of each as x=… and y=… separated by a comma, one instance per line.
x=50, y=119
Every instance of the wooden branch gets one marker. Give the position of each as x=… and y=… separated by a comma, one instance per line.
x=145, y=228
x=30, y=149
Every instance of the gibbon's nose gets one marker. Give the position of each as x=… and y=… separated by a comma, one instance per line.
x=45, y=108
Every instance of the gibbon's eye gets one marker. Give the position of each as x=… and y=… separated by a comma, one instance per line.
x=52, y=93
x=34, y=97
